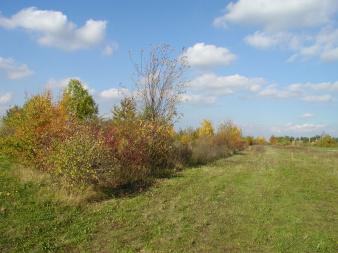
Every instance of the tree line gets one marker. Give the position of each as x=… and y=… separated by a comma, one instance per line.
x=65, y=138
x=323, y=140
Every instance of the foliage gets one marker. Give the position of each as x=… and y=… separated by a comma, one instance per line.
x=78, y=101
x=86, y=153
x=206, y=129
x=82, y=161
x=126, y=110
x=230, y=135
x=326, y=141
x=141, y=148
x=260, y=140
x=205, y=145
x=249, y=140
x=273, y=140
x=32, y=130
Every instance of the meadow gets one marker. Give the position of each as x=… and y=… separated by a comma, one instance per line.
x=262, y=199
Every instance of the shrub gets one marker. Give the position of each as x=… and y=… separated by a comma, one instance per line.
x=141, y=147
x=208, y=149
x=28, y=133
x=203, y=145
x=181, y=154
x=83, y=160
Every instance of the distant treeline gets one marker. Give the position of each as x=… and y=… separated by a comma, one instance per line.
x=323, y=140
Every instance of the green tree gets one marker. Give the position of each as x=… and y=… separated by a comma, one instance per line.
x=249, y=140
x=79, y=103
x=125, y=111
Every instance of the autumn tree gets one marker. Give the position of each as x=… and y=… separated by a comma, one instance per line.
x=273, y=140
x=206, y=128
x=125, y=111
x=260, y=140
x=159, y=84
x=249, y=140
x=79, y=103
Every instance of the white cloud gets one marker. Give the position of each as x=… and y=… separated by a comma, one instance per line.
x=199, y=100
x=6, y=98
x=52, y=28
x=307, y=115
x=14, y=70
x=205, y=56
x=110, y=48
x=214, y=85
x=290, y=128
x=290, y=91
x=114, y=93
x=211, y=85
x=279, y=15
x=321, y=98
x=281, y=40
x=322, y=44
x=322, y=87
x=330, y=55
x=262, y=40
x=303, y=26
x=306, y=92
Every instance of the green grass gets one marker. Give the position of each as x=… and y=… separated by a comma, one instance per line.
x=262, y=200
x=327, y=148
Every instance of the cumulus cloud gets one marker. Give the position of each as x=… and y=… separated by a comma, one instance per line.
x=322, y=44
x=305, y=92
x=280, y=40
x=199, y=100
x=271, y=91
x=6, y=98
x=13, y=70
x=321, y=87
x=214, y=85
x=113, y=93
x=277, y=15
x=280, y=23
x=262, y=40
x=52, y=28
x=206, y=56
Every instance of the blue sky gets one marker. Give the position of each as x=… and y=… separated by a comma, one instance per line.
x=268, y=65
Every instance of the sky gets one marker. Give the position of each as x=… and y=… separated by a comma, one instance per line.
x=270, y=66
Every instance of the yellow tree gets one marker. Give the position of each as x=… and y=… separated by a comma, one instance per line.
x=206, y=128
x=260, y=140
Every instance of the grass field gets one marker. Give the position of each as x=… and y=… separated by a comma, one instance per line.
x=265, y=199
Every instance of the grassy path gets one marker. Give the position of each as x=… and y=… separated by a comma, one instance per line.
x=272, y=200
